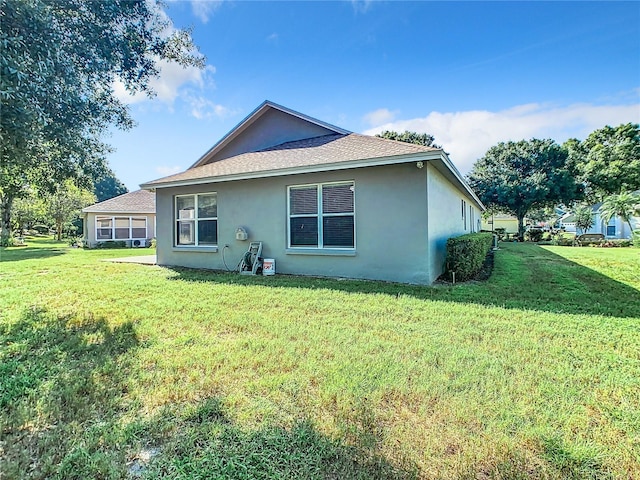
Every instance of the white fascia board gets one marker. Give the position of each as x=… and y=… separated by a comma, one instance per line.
x=231, y=134
x=309, y=119
x=251, y=118
x=456, y=173
x=327, y=167
x=123, y=212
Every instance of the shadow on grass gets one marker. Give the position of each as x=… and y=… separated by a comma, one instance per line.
x=65, y=414
x=16, y=254
x=525, y=277
x=203, y=442
x=63, y=384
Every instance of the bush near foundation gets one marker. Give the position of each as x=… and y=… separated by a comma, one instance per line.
x=109, y=244
x=534, y=235
x=466, y=254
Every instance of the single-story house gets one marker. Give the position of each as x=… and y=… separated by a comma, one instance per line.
x=501, y=220
x=322, y=200
x=130, y=218
x=615, y=228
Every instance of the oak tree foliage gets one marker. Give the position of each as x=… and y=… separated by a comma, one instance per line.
x=518, y=177
x=108, y=186
x=410, y=137
x=608, y=160
x=59, y=61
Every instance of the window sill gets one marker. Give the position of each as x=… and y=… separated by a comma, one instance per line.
x=211, y=249
x=338, y=252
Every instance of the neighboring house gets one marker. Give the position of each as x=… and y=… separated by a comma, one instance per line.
x=324, y=201
x=130, y=218
x=501, y=220
x=615, y=228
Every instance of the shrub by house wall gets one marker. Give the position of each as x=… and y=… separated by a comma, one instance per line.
x=466, y=254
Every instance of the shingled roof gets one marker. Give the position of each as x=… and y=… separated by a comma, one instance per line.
x=317, y=152
x=140, y=201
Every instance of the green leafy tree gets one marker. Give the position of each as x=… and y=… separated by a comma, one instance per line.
x=608, y=161
x=519, y=177
x=623, y=205
x=27, y=211
x=543, y=215
x=66, y=203
x=58, y=62
x=584, y=217
x=108, y=186
x=410, y=137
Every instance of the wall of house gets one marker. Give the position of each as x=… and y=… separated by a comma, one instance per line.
x=445, y=218
x=621, y=227
x=272, y=128
x=90, y=224
x=390, y=219
x=510, y=225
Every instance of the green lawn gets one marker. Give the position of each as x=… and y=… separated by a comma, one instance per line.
x=532, y=374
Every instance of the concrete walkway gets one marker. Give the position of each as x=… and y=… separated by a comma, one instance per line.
x=142, y=259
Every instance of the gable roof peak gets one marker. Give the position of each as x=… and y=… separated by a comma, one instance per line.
x=250, y=119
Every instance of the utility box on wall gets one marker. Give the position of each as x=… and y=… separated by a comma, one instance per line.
x=241, y=234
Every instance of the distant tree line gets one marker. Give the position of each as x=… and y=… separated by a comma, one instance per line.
x=528, y=177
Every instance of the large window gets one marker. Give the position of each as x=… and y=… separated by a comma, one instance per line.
x=322, y=215
x=197, y=219
x=121, y=228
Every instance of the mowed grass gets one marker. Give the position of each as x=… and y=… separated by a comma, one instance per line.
x=119, y=370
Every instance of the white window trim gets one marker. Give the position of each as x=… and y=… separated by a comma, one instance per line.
x=464, y=212
x=320, y=248
x=113, y=227
x=195, y=219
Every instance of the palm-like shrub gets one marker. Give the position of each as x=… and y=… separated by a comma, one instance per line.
x=623, y=205
x=584, y=217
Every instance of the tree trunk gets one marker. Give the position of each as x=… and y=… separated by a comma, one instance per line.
x=521, y=227
x=5, y=225
x=59, y=230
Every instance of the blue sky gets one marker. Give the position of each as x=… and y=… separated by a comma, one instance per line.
x=470, y=73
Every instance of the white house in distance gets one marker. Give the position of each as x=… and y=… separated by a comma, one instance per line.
x=616, y=228
x=322, y=200
x=130, y=218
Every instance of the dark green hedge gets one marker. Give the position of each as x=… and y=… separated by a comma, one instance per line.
x=466, y=254
x=108, y=244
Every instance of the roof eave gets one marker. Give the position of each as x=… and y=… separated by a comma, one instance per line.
x=369, y=162
x=461, y=181
x=250, y=119
x=124, y=210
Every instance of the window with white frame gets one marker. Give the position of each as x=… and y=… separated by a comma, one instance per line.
x=463, y=204
x=611, y=230
x=322, y=215
x=196, y=219
x=121, y=228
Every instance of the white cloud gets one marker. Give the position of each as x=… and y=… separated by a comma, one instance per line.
x=171, y=78
x=165, y=171
x=468, y=135
x=204, y=9
x=273, y=37
x=203, y=108
x=361, y=6
x=380, y=116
